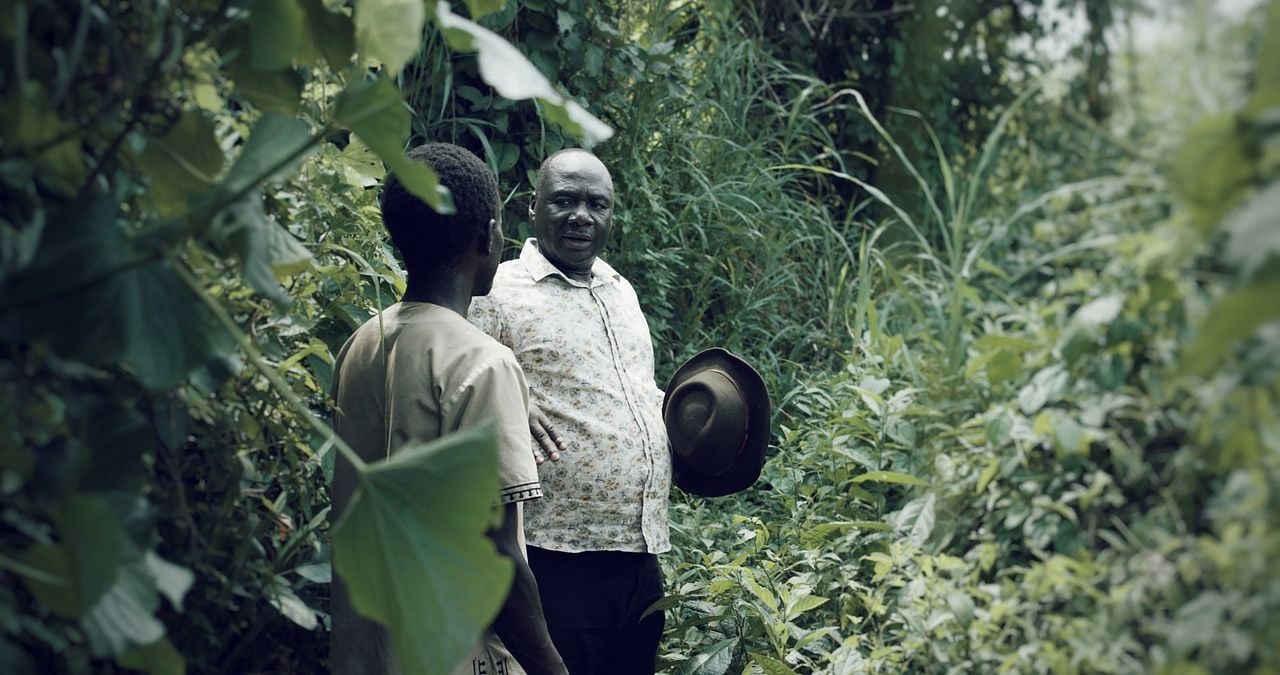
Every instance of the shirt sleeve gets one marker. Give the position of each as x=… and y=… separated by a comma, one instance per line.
x=484, y=315
x=497, y=390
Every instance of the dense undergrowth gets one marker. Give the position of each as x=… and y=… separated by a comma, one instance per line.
x=1023, y=422
x=1082, y=491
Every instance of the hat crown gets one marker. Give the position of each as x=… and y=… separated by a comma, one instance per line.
x=709, y=421
x=717, y=416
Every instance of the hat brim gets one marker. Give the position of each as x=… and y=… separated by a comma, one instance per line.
x=746, y=470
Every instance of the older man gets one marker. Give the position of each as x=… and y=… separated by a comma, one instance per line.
x=577, y=331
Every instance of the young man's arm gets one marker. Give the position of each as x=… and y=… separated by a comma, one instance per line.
x=497, y=391
x=520, y=623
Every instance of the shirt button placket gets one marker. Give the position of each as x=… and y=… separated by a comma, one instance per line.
x=616, y=352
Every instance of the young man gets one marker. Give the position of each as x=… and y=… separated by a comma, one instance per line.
x=423, y=371
x=576, y=328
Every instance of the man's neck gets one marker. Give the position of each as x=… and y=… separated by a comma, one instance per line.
x=584, y=277
x=450, y=294
x=576, y=274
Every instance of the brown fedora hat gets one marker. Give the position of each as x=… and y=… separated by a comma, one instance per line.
x=717, y=417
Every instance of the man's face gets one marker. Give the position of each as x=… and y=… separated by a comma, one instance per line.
x=573, y=211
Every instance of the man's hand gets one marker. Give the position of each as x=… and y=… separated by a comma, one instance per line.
x=546, y=442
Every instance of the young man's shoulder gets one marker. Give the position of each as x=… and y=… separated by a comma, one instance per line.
x=411, y=329
x=452, y=333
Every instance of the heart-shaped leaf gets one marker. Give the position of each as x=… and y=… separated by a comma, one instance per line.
x=412, y=550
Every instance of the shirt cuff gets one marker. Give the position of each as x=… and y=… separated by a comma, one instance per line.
x=521, y=493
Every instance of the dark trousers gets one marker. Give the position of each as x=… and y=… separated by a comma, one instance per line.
x=593, y=601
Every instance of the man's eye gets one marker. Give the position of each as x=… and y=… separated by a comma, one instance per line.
x=599, y=206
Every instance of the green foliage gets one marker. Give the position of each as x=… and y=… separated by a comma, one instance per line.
x=414, y=529
x=188, y=236
x=1070, y=498
x=514, y=78
x=1023, y=360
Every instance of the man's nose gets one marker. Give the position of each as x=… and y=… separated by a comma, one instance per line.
x=580, y=214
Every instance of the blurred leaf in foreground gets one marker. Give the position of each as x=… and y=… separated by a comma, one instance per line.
x=412, y=550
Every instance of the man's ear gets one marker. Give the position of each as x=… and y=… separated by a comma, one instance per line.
x=485, y=241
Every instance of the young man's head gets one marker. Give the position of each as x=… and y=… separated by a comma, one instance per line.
x=436, y=247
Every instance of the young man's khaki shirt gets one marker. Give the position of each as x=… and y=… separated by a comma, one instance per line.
x=440, y=374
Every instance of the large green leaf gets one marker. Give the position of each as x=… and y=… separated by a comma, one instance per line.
x=51, y=580
x=30, y=123
x=157, y=658
x=266, y=250
x=172, y=581
x=124, y=618
x=277, y=32
x=332, y=35
x=916, y=519
x=412, y=551
x=95, y=544
x=1254, y=231
x=1212, y=166
x=170, y=332
x=360, y=165
x=183, y=162
x=515, y=78
x=374, y=110
x=1233, y=318
x=389, y=31
x=771, y=666
x=77, y=573
x=276, y=147
x=480, y=8
x=81, y=243
x=96, y=296
x=281, y=596
x=714, y=661
x=278, y=91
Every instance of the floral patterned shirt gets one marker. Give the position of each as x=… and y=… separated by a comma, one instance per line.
x=586, y=351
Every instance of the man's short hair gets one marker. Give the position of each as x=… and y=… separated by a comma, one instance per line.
x=542, y=168
x=432, y=243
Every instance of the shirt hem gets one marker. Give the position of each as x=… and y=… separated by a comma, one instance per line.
x=561, y=548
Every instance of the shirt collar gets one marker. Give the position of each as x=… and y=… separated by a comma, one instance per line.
x=540, y=268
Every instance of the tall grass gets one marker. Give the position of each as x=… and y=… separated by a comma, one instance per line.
x=722, y=250
x=944, y=216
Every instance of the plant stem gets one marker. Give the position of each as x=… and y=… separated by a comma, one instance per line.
x=255, y=357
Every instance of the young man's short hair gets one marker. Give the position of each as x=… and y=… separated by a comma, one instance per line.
x=431, y=243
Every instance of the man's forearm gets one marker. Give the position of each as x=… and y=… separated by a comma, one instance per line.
x=520, y=623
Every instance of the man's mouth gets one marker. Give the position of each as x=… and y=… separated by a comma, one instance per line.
x=577, y=240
